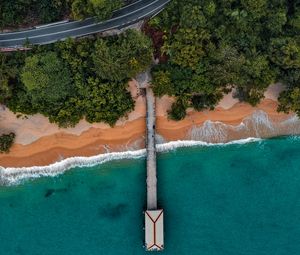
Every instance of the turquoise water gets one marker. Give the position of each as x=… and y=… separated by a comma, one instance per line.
x=219, y=200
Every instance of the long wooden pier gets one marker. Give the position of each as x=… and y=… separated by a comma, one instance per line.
x=151, y=152
x=154, y=217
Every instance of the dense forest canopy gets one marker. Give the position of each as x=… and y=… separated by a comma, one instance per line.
x=214, y=45
x=75, y=79
x=208, y=47
x=102, y=9
x=28, y=12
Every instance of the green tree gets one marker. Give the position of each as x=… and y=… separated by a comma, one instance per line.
x=291, y=77
x=188, y=44
x=47, y=80
x=81, y=9
x=69, y=114
x=6, y=73
x=205, y=101
x=102, y=9
x=255, y=77
x=285, y=52
x=6, y=141
x=224, y=65
x=106, y=102
x=162, y=84
x=18, y=12
x=122, y=57
x=289, y=100
x=178, y=109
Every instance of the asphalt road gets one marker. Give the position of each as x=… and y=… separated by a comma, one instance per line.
x=121, y=18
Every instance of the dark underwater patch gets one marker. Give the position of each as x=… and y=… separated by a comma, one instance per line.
x=50, y=192
x=112, y=211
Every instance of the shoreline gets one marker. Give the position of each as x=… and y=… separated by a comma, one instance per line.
x=13, y=175
x=230, y=121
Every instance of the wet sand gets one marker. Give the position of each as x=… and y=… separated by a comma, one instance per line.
x=40, y=143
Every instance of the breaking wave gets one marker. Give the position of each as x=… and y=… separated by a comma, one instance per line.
x=257, y=125
x=14, y=175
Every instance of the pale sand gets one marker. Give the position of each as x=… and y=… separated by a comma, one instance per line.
x=40, y=143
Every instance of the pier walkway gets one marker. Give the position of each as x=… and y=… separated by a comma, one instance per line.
x=154, y=217
x=144, y=80
x=151, y=152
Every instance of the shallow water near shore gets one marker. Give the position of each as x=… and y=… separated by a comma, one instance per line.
x=218, y=200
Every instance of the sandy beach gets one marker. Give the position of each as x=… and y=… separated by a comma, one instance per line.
x=39, y=142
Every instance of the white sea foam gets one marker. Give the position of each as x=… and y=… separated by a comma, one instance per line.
x=210, y=130
x=186, y=143
x=260, y=123
x=256, y=125
x=14, y=175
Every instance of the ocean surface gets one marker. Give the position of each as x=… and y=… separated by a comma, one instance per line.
x=236, y=199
